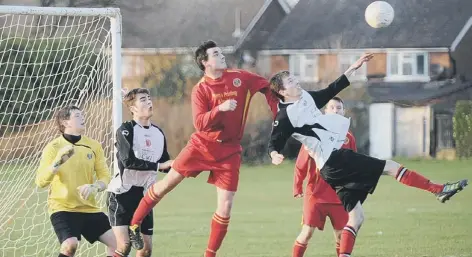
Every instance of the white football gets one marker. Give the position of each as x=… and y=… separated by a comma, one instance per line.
x=379, y=14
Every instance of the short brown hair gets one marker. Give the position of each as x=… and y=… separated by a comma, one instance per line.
x=201, y=53
x=338, y=99
x=64, y=114
x=130, y=97
x=277, y=83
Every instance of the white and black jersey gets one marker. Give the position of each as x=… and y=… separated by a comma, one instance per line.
x=304, y=121
x=140, y=149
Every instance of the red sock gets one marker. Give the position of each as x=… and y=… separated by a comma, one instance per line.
x=298, y=249
x=145, y=206
x=414, y=179
x=219, y=227
x=348, y=238
x=337, y=248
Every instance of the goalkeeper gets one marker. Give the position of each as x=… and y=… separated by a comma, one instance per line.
x=69, y=164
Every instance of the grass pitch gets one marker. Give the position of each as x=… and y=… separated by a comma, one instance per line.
x=400, y=221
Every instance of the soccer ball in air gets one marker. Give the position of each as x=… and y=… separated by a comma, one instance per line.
x=379, y=14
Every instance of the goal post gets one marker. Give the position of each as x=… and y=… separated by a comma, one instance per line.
x=51, y=57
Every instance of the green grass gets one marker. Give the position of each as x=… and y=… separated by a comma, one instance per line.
x=400, y=221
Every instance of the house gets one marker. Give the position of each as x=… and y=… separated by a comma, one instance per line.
x=156, y=34
x=423, y=55
x=171, y=29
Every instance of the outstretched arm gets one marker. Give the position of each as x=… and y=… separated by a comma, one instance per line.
x=323, y=96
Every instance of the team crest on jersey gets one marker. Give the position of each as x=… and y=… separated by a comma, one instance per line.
x=125, y=132
x=89, y=156
x=346, y=141
x=148, y=143
x=237, y=82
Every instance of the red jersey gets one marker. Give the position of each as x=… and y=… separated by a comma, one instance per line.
x=226, y=127
x=306, y=167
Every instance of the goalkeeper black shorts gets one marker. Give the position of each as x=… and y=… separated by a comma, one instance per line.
x=77, y=224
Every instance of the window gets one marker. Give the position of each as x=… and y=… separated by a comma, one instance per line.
x=407, y=65
x=346, y=60
x=304, y=67
x=132, y=65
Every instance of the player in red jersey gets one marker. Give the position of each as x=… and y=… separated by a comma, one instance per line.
x=220, y=104
x=320, y=200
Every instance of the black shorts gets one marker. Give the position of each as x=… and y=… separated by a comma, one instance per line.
x=121, y=208
x=348, y=170
x=75, y=224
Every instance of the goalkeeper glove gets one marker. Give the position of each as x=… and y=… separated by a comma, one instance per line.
x=87, y=190
x=63, y=155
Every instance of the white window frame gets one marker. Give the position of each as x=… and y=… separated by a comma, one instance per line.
x=132, y=66
x=303, y=62
x=349, y=59
x=415, y=76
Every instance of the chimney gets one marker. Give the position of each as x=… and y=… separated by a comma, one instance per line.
x=237, y=23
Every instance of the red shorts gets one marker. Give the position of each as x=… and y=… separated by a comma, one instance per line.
x=314, y=214
x=223, y=162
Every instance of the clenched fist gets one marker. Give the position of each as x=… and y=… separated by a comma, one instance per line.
x=228, y=105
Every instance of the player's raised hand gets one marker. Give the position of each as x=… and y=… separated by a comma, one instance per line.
x=85, y=191
x=63, y=155
x=276, y=158
x=363, y=59
x=228, y=105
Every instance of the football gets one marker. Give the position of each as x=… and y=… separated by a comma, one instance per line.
x=379, y=14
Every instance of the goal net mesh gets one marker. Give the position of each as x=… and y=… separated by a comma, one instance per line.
x=47, y=62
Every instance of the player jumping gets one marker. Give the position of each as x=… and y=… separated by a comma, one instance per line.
x=220, y=104
x=320, y=200
x=68, y=166
x=351, y=174
x=141, y=152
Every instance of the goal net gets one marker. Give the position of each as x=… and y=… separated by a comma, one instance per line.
x=50, y=58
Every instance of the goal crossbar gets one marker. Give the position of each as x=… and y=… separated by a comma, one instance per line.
x=60, y=11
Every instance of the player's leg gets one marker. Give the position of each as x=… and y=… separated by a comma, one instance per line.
x=226, y=182
x=97, y=228
x=339, y=218
x=301, y=243
x=220, y=221
x=337, y=240
x=414, y=179
x=187, y=164
x=123, y=245
x=146, y=233
x=67, y=229
x=108, y=238
x=119, y=218
x=314, y=216
x=147, y=248
x=352, y=201
x=153, y=196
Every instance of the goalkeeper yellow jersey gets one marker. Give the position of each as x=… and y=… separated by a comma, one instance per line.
x=86, y=166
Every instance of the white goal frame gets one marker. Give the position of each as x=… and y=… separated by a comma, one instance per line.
x=113, y=20
x=114, y=15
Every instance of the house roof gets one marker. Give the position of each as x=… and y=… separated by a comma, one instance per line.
x=416, y=93
x=183, y=23
x=328, y=24
x=173, y=23
x=263, y=24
